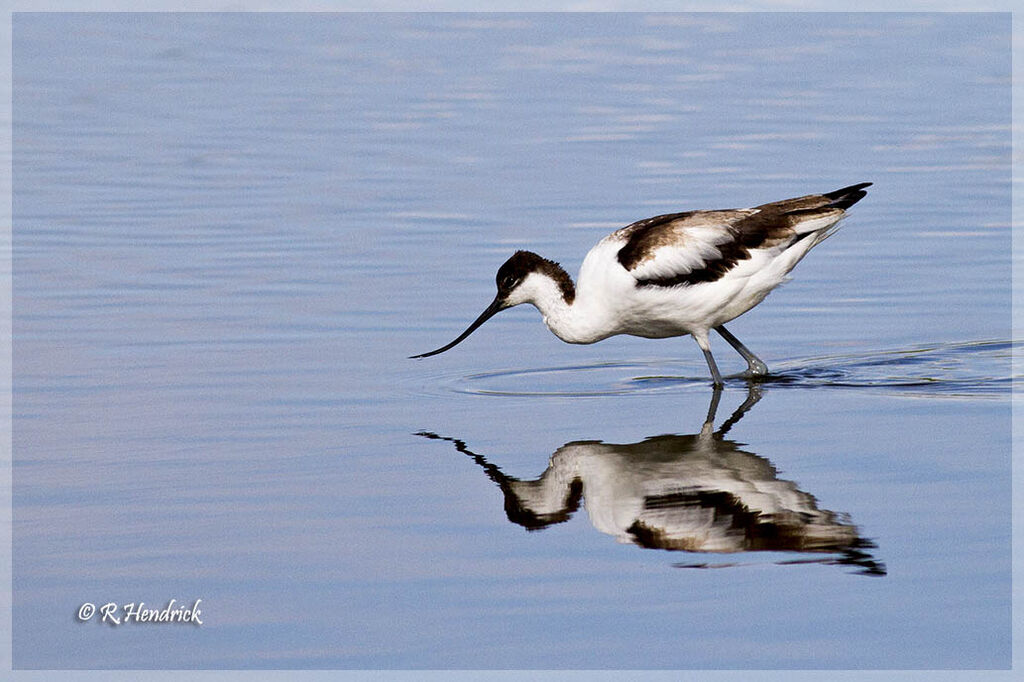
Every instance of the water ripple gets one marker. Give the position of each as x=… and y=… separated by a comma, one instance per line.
x=973, y=369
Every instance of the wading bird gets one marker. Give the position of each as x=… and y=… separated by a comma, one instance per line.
x=674, y=274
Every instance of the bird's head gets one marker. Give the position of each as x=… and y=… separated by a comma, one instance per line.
x=520, y=279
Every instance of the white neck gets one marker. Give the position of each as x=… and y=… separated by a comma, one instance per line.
x=571, y=322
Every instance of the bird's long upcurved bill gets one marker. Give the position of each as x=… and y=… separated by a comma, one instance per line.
x=494, y=308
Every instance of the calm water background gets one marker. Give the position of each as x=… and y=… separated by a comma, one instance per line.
x=230, y=231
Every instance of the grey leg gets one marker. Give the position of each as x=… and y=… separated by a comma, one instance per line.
x=702, y=341
x=716, y=377
x=754, y=365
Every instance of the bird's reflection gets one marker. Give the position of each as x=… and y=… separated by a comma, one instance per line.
x=696, y=493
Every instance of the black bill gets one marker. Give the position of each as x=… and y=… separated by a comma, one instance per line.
x=494, y=308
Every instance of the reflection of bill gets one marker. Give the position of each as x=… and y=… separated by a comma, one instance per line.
x=697, y=493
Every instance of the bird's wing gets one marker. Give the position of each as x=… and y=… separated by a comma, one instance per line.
x=701, y=246
x=686, y=248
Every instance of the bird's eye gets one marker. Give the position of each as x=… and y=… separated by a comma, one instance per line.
x=508, y=282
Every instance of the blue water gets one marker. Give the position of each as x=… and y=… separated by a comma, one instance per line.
x=230, y=231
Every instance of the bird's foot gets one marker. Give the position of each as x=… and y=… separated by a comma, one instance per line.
x=756, y=369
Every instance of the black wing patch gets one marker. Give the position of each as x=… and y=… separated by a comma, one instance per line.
x=771, y=225
x=746, y=233
x=644, y=236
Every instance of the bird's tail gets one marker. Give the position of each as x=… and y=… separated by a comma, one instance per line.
x=847, y=196
x=820, y=213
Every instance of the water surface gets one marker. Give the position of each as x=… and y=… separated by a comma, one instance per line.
x=231, y=230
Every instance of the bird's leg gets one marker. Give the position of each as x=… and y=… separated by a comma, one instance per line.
x=755, y=367
x=702, y=341
x=716, y=378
